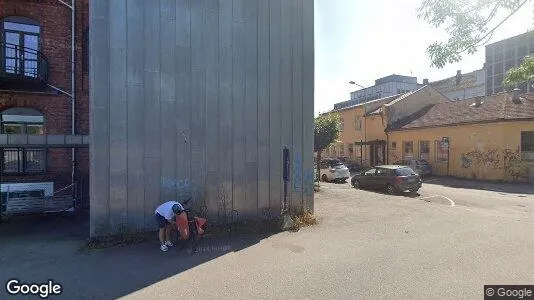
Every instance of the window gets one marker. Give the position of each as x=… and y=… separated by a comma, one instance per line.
x=381, y=172
x=442, y=152
x=393, y=145
x=341, y=124
x=370, y=172
x=22, y=120
x=407, y=149
x=351, y=150
x=527, y=145
x=20, y=36
x=424, y=150
x=341, y=150
x=404, y=172
x=358, y=123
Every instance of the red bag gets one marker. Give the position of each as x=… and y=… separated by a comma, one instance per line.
x=183, y=226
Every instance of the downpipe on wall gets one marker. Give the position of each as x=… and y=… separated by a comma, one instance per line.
x=72, y=7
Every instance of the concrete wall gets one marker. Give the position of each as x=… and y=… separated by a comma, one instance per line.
x=199, y=97
x=479, y=151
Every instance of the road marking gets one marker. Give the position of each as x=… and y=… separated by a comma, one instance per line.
x=452, y=202
x=434, y=196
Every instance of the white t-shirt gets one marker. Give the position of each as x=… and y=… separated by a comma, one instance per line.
x=165, y=209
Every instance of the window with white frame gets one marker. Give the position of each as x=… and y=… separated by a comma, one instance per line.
x=424, y=150
x=22, y=120
x=407, y=149
x=358, y=123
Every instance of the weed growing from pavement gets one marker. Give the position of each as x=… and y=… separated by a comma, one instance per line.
x=304, y=219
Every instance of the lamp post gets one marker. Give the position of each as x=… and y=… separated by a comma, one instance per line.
x=354, y=83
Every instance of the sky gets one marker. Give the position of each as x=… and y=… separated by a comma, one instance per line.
x=362, y=41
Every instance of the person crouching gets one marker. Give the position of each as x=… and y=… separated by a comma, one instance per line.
x=165, y=216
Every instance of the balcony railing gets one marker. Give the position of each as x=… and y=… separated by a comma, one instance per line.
x=22, y=63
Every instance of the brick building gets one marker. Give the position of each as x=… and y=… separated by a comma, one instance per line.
x=35, y=83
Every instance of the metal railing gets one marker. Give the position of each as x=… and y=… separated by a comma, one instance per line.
x=22, y=62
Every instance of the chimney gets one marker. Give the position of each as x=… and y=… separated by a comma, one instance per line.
x=515, y=95
x=458, y=76
x=425, y=81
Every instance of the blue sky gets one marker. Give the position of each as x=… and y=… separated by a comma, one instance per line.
x=365, y=40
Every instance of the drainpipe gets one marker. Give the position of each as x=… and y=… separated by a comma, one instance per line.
x=72, y=83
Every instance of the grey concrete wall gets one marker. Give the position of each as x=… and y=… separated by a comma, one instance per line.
x=199, y=97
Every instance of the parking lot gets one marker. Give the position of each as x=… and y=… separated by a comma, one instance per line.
x=446, y=242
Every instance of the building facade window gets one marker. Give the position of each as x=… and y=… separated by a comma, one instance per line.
x=351, y=150
x=22, y=120
x=393, y=145
x=341, y=150
x=442, y=152
x=424, y=150
x=358, y=123
x=341, y=124
x=527, y=145
x=20, y=40
x=407, y=149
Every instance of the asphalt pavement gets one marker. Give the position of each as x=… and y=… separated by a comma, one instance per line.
x=446, y=242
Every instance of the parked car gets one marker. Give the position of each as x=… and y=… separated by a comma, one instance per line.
x=334, y=170
x=420, y=166
x=353, y=167
x=390, y=178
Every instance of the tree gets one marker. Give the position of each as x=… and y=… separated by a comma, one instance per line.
x=470, y=24
x=326, y=131
x=523, y=73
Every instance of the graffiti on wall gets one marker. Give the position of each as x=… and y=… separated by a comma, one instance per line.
x=509, y=160
x=309, y=182
x=297, y=173
x=513, y=165
x=477, y=158
x=394, y=157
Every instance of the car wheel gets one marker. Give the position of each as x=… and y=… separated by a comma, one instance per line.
x=356, y=184
x=324, y=178
x=390, y=189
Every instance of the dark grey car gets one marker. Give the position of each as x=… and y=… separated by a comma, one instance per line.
x=390, y=178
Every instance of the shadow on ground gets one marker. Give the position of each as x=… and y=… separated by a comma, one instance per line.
x=39, y=248
x=508, y=188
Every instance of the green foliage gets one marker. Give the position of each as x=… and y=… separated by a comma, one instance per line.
x=326, y=130
x=470, y=24
x=523, y=73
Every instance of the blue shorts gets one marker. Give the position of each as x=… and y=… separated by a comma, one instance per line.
x=162, y=222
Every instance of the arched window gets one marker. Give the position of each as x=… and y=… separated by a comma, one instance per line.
x=20, y=46
x=22, y=120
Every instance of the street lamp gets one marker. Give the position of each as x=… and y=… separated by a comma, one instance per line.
x=354, y=83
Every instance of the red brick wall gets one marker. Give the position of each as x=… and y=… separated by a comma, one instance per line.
x=55, y=43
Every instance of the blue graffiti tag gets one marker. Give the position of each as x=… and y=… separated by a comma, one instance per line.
x=183, y=186
x=309, y=176
x=297, y=173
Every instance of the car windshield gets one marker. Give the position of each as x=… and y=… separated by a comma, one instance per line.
x=337, y=165
x=404, y=172
x=422, y=162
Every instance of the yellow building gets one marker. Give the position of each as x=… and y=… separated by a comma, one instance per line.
x=488, y=138
x=363, y=139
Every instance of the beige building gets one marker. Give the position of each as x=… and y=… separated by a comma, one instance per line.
x=363, y=139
